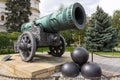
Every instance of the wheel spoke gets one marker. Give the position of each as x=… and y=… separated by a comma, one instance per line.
x=25, y=39
x=59, y=47
x=53, y=48
x=25, y=54
x=57, y=51
x=29, y=46
x=22, y=40
x=28, y=41
x=60, y=43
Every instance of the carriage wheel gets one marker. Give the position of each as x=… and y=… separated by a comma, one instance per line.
x=58, y=51
x=27, y=46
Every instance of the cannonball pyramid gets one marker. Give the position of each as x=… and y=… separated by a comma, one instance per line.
x=81, y=65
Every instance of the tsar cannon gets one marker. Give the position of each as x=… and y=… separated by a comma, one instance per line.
x=45, y=32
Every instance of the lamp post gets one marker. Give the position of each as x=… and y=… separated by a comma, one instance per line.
x=9, y=47
x=73, y=36
x=93, y=47
x=118, y=31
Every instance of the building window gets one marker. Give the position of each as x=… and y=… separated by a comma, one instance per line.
x=2, y=17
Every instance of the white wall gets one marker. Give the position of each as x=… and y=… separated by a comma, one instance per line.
x=35, y=4
x=2, y=10
x=35, y=14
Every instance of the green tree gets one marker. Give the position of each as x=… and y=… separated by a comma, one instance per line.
x=100, y=35
x=74, y=36
x=8, y=39
x=18, y=12
x=68, y=35
x=78, y=35
x=4, y=40
x=116, y=23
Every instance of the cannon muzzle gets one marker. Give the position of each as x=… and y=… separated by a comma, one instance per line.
x=72, y=17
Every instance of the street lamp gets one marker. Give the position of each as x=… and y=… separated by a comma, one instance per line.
x=9, y=47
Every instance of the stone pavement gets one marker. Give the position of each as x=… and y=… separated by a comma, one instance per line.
x=110, y=66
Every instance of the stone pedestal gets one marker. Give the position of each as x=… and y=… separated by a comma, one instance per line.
x=43, y=65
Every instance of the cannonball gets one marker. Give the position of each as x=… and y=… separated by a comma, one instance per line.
x=80, y=55
x=91, y=70
x=70, y=69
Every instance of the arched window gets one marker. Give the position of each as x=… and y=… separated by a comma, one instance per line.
x=2, y=17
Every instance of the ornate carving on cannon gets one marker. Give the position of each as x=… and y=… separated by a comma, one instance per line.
x=44, y=32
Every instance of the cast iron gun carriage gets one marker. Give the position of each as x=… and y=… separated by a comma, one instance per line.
x=44, y=32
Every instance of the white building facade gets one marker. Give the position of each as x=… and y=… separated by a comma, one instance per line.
x=34, y=9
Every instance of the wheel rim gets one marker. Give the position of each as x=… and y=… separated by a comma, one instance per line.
x=27, y=46
x=58, y=51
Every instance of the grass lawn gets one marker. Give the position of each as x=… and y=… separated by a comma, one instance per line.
x=70, y=49
x=116, y=53
x=46, y=49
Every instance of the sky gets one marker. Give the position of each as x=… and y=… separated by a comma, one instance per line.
x=50, y=6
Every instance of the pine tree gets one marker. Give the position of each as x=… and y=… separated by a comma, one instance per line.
x=116, y=23
x=18, y=12
x=100, y=35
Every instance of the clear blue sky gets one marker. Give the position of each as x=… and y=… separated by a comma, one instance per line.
x=109, y=6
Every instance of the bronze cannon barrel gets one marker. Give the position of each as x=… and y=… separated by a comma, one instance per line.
x=44, y=32
x=72, y=17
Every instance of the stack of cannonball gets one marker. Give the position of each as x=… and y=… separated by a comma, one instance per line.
x=81, y=65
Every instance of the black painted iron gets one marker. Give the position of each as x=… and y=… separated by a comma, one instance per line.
x=70, y=69
x=80, y=55
x=91, y=70
x=6, y=58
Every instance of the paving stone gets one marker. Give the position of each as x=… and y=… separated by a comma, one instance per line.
x=111, y=66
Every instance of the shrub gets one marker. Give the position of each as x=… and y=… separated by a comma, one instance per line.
x=7, y=51
x=7, y=40
x=14, y=35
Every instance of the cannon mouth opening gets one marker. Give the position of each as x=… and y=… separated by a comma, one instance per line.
x=79, y=16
